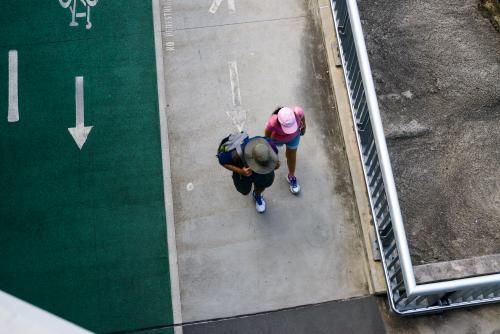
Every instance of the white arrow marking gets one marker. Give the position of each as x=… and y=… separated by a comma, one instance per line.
x=216, y=4
x=238, y=115
x=80, y=132
x=13, y=114
x=232, y=6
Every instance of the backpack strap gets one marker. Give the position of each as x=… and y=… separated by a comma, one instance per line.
x=240, y=142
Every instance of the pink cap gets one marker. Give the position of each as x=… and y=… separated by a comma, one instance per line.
x=288, y=121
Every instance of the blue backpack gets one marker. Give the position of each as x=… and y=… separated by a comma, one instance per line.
x=233, y=143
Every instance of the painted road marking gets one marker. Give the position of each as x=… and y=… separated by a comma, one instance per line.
x=168, y=26
x=231, y=5
x=216, y=4
x=238, y=115
x=73, y=9
x=80, y=132
x=102, y=173
x=13, y=114
x=167, y=176
x=235, y=83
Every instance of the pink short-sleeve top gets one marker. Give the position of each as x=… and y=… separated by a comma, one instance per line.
x=274, y=126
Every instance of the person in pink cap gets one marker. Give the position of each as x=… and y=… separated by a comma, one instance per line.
x=284, y=127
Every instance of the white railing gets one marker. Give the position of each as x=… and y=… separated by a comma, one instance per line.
x=405, y=295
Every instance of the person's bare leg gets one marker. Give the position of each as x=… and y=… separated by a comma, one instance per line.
x=291, y=160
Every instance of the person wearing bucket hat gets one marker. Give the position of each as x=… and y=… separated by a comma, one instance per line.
x=253, y=163
x=286, y=126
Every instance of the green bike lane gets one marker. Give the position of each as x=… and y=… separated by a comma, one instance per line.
x=83, y=231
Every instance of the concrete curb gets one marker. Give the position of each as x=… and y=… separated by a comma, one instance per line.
x=375, y=271
x=457, y=269
x=167, y=175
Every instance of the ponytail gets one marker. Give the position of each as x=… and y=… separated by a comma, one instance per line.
x=275, y=112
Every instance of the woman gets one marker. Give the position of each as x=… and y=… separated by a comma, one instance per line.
x=285, y=127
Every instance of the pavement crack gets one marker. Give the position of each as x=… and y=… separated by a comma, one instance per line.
x=244, y=22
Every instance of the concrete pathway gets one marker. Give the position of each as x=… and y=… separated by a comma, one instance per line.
x=304, y=249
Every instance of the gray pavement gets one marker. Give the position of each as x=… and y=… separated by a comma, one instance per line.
x=304, y=249
x=436, y=66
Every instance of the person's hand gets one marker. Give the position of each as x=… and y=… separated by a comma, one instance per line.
x=246, y=171
x=278, y=164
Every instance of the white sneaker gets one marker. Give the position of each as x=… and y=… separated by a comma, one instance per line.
x=260, y=203
x=294, y=184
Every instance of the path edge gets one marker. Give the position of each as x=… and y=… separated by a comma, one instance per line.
x=167, y=176
x=376, y=277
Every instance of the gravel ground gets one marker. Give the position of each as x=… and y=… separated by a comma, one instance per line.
x=436, y=66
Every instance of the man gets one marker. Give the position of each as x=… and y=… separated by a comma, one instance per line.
x=252, y=161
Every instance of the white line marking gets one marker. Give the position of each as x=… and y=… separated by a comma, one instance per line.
x=80, y=132
x=232, y=6
x=80, y=107
x=167, y=177
x=13, y=114
x=235, y=83
x=238, y=115
x=215, y=6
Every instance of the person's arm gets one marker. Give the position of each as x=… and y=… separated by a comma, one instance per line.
x=303, y=125
x=245, y=171
x=268, y=131
x=275, y=149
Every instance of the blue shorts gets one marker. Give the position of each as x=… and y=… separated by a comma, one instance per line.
x=292, y=144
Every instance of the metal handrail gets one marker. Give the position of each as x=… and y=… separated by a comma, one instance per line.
x=405, y=295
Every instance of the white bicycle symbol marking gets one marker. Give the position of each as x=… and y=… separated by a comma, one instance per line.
x=72, y=5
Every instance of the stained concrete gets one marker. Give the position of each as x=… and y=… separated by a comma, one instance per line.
x=376, y=280
x=436, y=66
x=304, y=249
x=326, y=318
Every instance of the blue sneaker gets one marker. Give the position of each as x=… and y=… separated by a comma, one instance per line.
x=294, y=184
x=260, y=204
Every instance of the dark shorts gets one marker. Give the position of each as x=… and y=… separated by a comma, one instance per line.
x=244, y=183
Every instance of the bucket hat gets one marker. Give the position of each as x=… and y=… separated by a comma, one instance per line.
x=260, y=156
